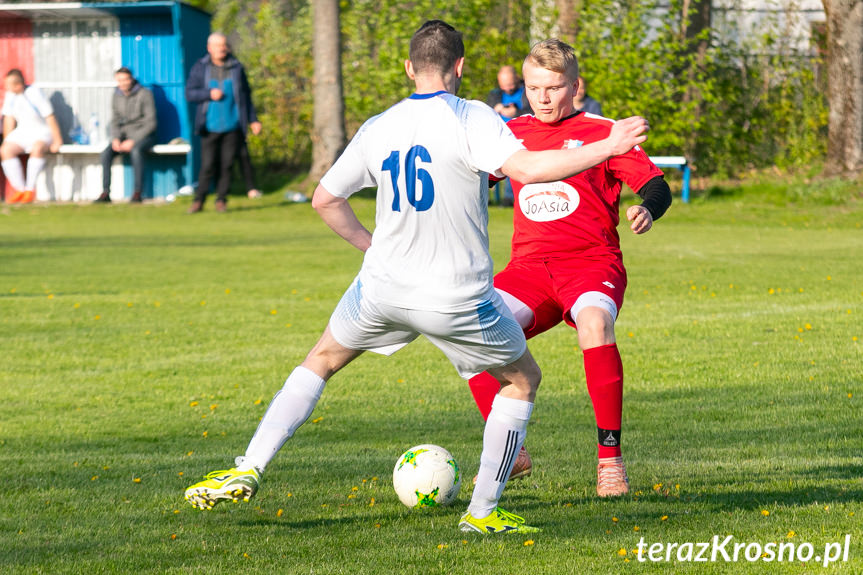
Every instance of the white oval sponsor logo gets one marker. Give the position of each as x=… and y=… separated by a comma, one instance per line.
x=548, y=202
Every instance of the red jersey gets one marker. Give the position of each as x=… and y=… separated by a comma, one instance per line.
x=579, y=214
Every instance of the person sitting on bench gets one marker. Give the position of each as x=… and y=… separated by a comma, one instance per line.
x=29, y=127
x=133, y=130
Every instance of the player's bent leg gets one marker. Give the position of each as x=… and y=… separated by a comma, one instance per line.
x=294, y=403
x=525, y=374
x=504, y=435
x=12, y=167
x=39, y=149
x=9, y=150
x=604, y=374
x=595, y=326
x=520, y=379
x=485, y=386
x=289, y=409
x=35, y=164
x=329, y=356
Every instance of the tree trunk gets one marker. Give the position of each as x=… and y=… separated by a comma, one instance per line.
x=567, y=19
x=543, y=21
x=845, y=85
x=695, y=20
x=328, y=131
x=554, y=19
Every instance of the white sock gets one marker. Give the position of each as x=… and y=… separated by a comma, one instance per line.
x=34, y=166
x=14, y=173
x=504, y=435
x=290, y=408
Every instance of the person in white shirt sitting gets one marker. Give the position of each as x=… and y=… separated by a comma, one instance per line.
x=29, y=127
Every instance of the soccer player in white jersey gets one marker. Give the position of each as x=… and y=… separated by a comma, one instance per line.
x=29, y=127
x=427, y=268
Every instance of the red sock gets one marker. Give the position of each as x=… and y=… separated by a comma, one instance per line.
x=484, y=387
x=604, y=373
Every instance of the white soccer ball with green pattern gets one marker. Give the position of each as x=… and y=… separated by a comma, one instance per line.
x=426, y=476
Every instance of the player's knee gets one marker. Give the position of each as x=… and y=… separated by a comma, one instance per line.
x=528, y=379
x=595, y=327
x=6, y=151
x=521, y=382
x=321, y=361
x=594, y=321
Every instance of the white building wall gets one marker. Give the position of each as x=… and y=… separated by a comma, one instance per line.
x=747, y=21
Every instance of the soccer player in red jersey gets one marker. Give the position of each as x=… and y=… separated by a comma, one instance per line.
x=566, y=261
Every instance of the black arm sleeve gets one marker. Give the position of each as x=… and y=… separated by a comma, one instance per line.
x=655, y=196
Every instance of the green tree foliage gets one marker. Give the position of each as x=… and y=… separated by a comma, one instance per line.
x=376, y=34
x=758, y=103
x=273, y=40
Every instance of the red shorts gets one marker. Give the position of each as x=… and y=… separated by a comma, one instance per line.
x=551, y=287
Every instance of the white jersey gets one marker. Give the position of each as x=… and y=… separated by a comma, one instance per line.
x=29, y=108
x=429, y=156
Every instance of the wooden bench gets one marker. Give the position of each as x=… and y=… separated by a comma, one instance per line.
x=75, y=172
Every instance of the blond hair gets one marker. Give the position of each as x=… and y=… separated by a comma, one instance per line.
x=554, y=55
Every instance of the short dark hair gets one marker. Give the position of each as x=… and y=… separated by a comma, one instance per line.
x=17, y=74
x=436, y=47
x=123, y=70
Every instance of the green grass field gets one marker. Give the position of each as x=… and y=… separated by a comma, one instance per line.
x=141, y=345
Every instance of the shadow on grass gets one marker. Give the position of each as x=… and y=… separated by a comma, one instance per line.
x=109, y=243
x=267, y=206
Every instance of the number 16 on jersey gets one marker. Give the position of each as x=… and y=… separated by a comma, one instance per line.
x=413, y=174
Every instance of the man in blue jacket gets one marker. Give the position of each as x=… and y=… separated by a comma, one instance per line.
x=225, y=113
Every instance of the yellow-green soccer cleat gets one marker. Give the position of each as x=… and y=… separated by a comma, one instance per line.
x=223, y=485
x=499, y=521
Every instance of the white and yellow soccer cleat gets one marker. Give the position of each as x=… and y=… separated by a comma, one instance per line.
x=230, y=484
x=499, y=521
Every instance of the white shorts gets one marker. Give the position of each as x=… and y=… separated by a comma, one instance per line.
x=474, y=341
x=27, y=136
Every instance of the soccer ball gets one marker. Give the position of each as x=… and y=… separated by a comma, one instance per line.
x=426, y=476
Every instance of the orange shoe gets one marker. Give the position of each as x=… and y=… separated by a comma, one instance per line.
x=611, y=479
x=522, y=467
x=13, y=196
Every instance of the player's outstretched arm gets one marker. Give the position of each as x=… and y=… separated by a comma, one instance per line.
x=552, y=165
x=338, y=214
